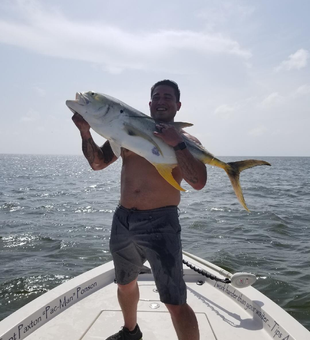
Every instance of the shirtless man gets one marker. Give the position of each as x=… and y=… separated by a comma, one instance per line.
x=145, y=224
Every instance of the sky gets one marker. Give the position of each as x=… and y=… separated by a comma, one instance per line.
x=243, y=68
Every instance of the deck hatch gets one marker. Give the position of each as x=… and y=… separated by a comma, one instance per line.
x=154, y=324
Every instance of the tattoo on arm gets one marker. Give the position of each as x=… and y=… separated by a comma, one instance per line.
x=98, y=157
x=89, y=147
x=188, y=171
x=107, y=152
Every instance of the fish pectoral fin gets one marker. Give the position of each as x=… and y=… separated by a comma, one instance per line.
x=116, y=148
x=165, y=170
x=133, y=131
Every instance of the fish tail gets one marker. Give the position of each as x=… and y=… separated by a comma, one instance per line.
x=233, y=170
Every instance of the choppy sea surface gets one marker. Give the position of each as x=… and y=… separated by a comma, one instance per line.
x=55, y=217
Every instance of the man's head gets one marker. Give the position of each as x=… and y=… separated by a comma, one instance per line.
x=165, y=100
x=170, y=83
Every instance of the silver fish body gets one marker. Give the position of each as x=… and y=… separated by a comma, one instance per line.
x=126, y=127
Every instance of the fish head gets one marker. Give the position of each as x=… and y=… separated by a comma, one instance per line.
x=91, y=106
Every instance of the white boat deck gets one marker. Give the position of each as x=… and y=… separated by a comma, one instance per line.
x=223, y=312
x=99, y=316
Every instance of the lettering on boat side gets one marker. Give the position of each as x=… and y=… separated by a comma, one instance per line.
x=46, y=313
x=271, y=326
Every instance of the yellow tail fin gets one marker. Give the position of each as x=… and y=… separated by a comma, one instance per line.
x=233, y=170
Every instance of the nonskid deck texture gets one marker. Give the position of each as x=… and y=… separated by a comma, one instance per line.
x=223, y=312
x=99, y=316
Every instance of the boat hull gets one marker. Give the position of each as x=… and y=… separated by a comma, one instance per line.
x=86, y=308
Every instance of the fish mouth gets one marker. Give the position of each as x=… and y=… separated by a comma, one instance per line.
x=81, y=98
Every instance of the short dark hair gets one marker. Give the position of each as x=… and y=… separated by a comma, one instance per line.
x=170, y=83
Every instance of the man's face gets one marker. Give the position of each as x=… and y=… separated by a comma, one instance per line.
x=163, y=104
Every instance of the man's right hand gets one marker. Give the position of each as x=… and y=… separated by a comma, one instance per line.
x=81, y=123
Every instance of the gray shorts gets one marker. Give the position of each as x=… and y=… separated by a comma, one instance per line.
x=155, y=236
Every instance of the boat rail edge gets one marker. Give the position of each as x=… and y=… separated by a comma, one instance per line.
x=36, y=313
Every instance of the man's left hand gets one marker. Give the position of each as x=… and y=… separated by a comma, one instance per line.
x=168, y=133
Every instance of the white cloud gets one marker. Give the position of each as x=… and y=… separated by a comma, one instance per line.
x=50, y=33
x=272, y=100
x=258, y=131
x=41, y=92
x=295, y=61
x=224, y=111
x=223, y=12
x=303, y=90
x=30, y=117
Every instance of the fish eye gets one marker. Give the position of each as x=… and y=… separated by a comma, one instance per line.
x=121, y=111
x=93, y=93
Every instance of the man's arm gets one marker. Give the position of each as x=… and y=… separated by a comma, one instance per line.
x=193, y=170
x=98, y=157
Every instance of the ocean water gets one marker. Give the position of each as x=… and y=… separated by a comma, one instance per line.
x=55, y=216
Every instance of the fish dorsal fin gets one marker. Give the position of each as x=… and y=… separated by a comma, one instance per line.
x=116, y=148
x=165, y=170
x=181, y=125
x=133, y=131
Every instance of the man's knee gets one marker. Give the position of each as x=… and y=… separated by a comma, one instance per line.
x=128, y=287
x=176, y=310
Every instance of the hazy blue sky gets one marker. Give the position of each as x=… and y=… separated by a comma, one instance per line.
x=242, y=67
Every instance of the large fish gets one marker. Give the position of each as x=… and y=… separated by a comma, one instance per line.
x=129, y=128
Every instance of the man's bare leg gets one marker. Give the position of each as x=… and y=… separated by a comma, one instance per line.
x=128, y=298
x=184, y=321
